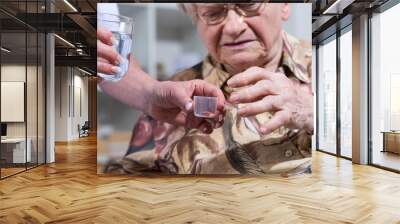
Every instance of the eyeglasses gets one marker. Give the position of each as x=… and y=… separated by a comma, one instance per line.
x=214, y=14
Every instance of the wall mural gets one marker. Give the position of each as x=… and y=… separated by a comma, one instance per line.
x=260, y=63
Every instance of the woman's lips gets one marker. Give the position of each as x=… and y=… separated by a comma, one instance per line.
x=237, y=45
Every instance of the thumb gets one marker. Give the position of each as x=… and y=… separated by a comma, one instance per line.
x=183, y=96
x=176, y=95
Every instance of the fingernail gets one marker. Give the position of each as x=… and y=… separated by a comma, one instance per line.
x=233, y=98
x=115, y=69
x=220, y=118
x=264, y=130
x=204, y=129
x=119, y=61
x=217, y=125
x=114, y=41
x=214, y=125
x=230, y=83
x=188, y=106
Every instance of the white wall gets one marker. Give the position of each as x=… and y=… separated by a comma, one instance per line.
x=61, y=105
x=67, y=115
x=12, y=73
x=300, y=22
x=80, y=85
x=33, y=126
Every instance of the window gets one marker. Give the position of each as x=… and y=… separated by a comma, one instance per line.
x=385, y=89
x=346, y=93
x=327, y=96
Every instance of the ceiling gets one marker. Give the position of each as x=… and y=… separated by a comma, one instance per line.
x=331, y=15
x=72, y=20
x=76, y=23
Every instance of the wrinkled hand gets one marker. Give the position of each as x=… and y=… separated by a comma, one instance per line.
x=172, y=102
x=165, y=101
x=290, y=101
x=108, y=58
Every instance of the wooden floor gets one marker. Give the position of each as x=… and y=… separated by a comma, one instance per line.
x=5, y=172
x=387, y=159
x=70, y=191
x=10, y=171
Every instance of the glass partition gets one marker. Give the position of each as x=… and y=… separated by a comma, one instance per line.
x=22, y=88
x=14, y=151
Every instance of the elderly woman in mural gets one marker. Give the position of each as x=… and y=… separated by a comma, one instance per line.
x=265, y=75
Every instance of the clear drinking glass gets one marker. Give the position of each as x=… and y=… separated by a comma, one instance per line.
x=122, y=29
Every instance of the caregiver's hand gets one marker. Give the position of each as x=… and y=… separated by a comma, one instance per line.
x=108, y=58
x=165, y=101
x=290, y=101
x=172, y=102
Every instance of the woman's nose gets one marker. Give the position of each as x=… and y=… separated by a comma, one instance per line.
x=234, y=24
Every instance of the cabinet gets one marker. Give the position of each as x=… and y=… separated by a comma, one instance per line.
x=13, y=150
x=391, y=142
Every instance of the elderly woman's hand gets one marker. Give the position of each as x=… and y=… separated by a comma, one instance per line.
x=290, y=101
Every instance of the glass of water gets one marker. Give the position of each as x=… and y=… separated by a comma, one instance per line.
x=122, y=29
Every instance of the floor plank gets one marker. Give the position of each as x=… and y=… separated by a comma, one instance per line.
x=70, y=191
x=387, y=159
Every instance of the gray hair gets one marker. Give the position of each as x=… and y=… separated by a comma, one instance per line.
x=189, y=9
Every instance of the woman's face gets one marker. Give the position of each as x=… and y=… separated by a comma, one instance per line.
x=241, y=42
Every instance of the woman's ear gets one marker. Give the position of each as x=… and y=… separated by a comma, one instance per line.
x=286, y=11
